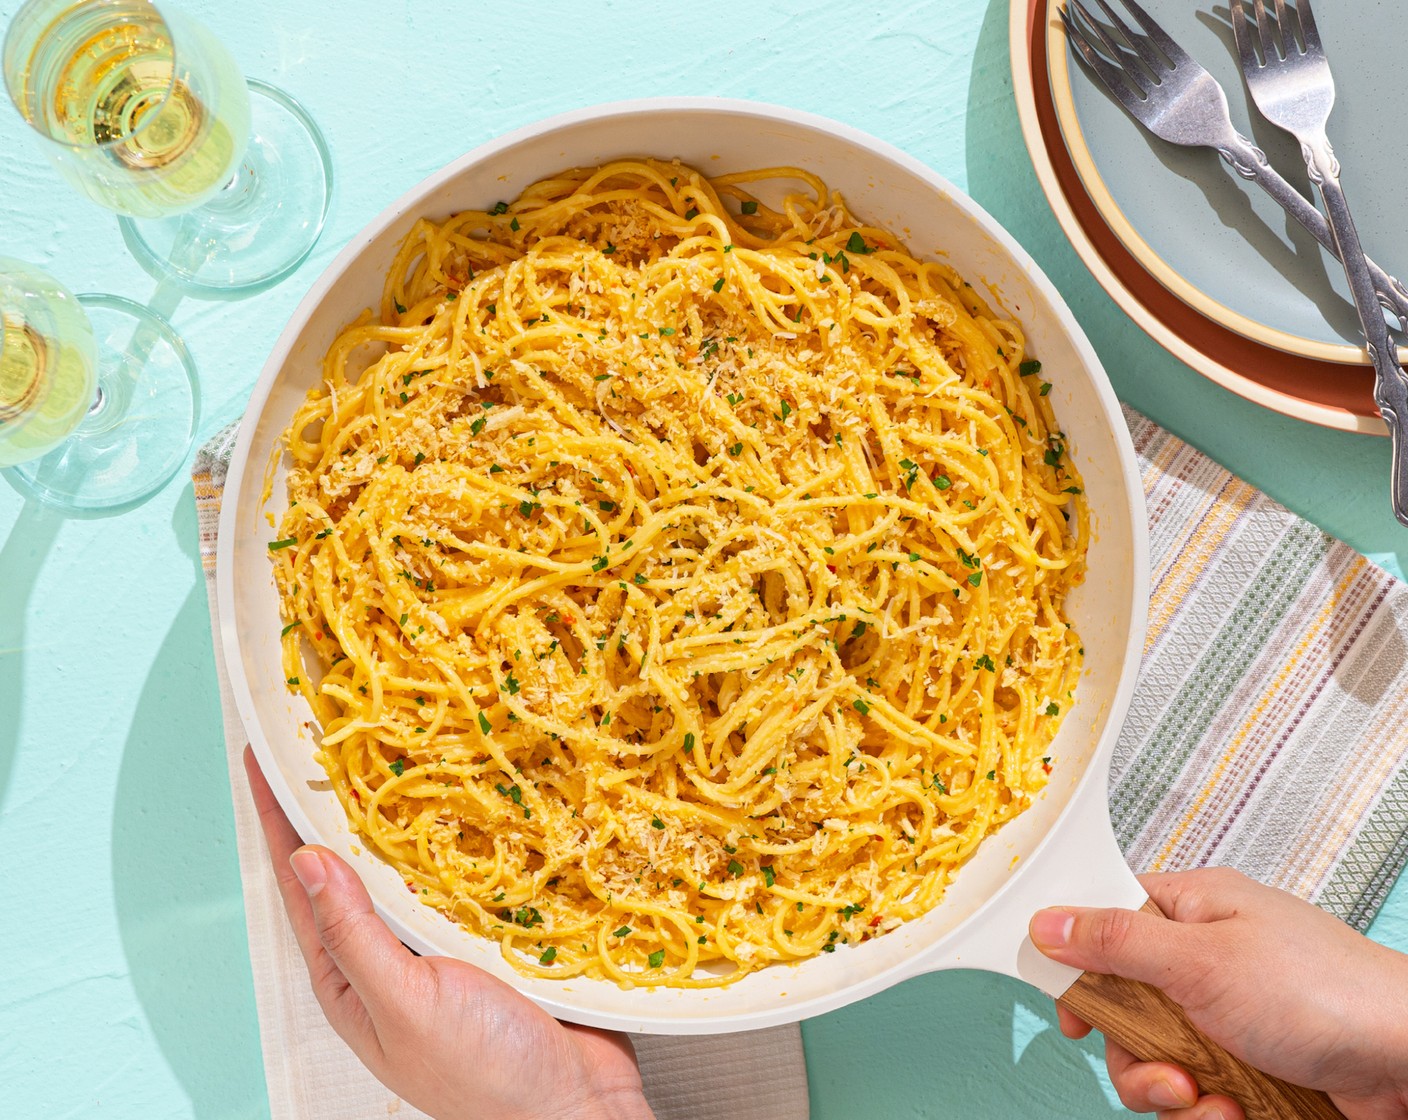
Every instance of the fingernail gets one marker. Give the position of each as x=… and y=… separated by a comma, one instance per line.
x=308, y=866
x=1051, y=929
x=1162, y=1094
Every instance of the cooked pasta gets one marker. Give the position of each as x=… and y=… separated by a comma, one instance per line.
x=677, y=573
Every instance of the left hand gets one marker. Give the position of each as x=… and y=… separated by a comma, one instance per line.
x=449, y=1038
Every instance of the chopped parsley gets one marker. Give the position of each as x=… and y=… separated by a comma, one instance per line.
x=398, y=767
x=749, y=207
x=274, y=546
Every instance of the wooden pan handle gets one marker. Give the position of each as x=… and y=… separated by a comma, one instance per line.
x=1154, y=1029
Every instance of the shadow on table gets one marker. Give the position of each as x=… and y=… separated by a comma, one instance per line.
x=989, y=1048
x=23, y=553
x=175, y=870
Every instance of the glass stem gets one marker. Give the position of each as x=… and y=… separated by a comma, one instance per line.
x=117, y=380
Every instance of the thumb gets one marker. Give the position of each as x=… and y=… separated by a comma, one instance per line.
x=366, y=952
x=1130, y=943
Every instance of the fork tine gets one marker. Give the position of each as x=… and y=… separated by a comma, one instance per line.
x=1285, y=29
x=1140, y=43
x=1176, y=54
x=1111, y=50
x=1263, y=26
x=1246, y=50
x=1308, y=30
x=1113, y=76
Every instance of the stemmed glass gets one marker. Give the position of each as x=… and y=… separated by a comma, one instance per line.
x=98, y=397
x=222, y=185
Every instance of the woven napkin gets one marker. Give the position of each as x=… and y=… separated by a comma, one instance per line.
x=1265, y=734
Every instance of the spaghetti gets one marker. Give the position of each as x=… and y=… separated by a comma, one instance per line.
x=678, y=577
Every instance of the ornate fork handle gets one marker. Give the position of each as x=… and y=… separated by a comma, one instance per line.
x=1249, y=161
x=1391, y=380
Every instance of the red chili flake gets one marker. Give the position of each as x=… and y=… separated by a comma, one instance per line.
x=410, y=886
x=875, y=921
x=357, y=797
x=318, y=636
x=630, y=468
x=1046, y=766
x=831, y=568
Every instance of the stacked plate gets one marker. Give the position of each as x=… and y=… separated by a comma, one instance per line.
x=1204, y=262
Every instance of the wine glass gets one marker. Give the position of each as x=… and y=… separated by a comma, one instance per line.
x=98, y=396
x=222, y=186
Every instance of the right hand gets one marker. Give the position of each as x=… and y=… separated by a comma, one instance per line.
x=1280, y=984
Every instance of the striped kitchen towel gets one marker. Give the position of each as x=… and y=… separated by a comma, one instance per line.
x=1267, y=731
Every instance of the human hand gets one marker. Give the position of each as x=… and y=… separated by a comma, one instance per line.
x=446, y=1036
x=1280, y=984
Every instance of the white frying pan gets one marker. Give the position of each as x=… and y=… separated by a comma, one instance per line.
x=1062, y=850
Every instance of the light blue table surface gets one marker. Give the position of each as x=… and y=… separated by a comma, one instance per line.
x=125, y=987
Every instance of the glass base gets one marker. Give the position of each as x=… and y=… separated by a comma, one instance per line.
x=142, y=422
x=261, y=225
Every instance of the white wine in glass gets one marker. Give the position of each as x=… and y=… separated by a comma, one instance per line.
x=48, y=363
x=222, y=185
x=98, y=398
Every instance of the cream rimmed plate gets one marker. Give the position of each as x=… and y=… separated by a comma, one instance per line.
x=1061, y=850
x=1325, y=393
x=1217, y=242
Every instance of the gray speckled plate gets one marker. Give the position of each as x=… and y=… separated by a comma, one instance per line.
x=1218, y=242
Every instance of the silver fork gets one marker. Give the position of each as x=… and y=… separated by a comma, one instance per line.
x=1179, y=101
x=1292, y=86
